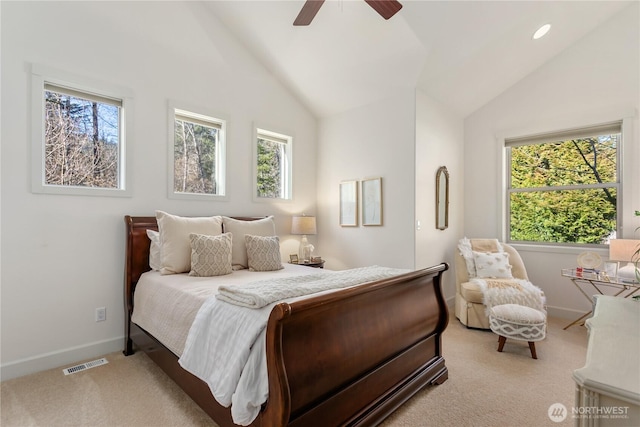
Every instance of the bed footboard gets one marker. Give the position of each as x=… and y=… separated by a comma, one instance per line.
x=352, y=357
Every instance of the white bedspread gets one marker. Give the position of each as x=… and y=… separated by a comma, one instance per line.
x=233, y=337
x=165, y=306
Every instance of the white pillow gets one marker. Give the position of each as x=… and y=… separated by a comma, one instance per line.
x=210, y=255
x=263, y=253
x=239, y=228
x=464, y=246
x=175, y=246
x=155, y=261
x=492, y=265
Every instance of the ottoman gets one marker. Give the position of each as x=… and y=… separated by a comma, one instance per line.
x=518, y=322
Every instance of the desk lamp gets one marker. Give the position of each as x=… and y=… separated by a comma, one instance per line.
x=625, y=250
x=305, y=225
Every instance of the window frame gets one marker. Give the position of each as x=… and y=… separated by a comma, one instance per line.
x=206, y=116
x=287, y=178
x=620, y=125
x=41, y=76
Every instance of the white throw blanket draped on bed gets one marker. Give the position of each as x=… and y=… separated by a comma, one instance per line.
x=261, y=293
x=226, y=343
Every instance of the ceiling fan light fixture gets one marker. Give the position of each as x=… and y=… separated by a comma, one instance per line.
x=385, y=8
x=542, y=31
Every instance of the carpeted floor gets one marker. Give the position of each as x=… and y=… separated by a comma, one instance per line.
x=485, y=388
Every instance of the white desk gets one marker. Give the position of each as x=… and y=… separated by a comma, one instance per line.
x=608, y=386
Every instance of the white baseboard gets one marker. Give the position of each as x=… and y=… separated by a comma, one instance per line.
x=552, y=311
x=565, y=313
x=97, y=349
x=59, y=358
x=451, y=302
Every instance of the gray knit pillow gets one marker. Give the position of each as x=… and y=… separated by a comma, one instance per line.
x=210, y=255
x=263, y=253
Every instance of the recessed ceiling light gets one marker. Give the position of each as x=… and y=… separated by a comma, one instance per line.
x=541, y=31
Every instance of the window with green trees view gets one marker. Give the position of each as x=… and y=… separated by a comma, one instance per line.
x=273, y=165
x=564, y=187
x=198, y=154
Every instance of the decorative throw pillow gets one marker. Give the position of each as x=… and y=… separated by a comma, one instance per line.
x=175, y=246
x=464, y=246
x=154, y=250
x=210, y=255
x=239, y=228
x=492, y=265
x=263, y=253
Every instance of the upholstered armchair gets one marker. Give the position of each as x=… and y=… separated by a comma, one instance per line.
x=470, y=309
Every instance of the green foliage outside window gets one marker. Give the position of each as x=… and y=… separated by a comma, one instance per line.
x=270, y=168
x=564, y=192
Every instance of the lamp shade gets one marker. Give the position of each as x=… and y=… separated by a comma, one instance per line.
x=303, y=225
x=622, y=249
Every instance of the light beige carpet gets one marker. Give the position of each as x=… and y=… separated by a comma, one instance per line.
x=485, y=388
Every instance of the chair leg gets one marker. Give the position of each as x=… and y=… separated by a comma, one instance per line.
x=501, y=341
x=532, y=347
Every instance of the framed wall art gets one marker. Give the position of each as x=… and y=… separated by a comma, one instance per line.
x=349, y=203
x=372, y=201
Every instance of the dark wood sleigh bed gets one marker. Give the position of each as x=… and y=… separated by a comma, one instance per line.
x=350, y=357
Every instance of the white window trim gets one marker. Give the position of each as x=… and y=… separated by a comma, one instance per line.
x=40, y=75
x=629, y=187
x=263, y=130
x=221, y=159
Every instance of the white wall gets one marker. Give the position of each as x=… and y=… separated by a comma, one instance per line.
x=439, y=142
x=594, y=81
x=403, y=139
x=376, y=140
x=63, y=256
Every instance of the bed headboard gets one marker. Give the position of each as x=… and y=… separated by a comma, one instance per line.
x=137, y=252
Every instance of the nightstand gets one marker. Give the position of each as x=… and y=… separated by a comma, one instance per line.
x=314, y=264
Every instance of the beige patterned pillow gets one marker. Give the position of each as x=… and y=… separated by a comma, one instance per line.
x=263, y=253
x=210, y=255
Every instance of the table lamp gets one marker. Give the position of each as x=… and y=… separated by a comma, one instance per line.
x=305, y=225
x=625, y=250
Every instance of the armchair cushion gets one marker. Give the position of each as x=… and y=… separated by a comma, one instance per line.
x=471, y=292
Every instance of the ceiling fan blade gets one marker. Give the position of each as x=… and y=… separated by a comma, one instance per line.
x=308, y=12
x=386, y=8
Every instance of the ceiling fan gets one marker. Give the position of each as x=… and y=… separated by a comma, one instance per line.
x=386, y=9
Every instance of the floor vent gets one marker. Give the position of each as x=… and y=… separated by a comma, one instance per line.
x=85, y=366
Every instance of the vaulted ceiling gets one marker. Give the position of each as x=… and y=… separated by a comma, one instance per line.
x=461, y=53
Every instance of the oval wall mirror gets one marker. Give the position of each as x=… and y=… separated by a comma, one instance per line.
x=442, y=198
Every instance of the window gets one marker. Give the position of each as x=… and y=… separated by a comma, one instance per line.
x=197, y=146
x=565, y=187
x=273, y=165
x=79, y=139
